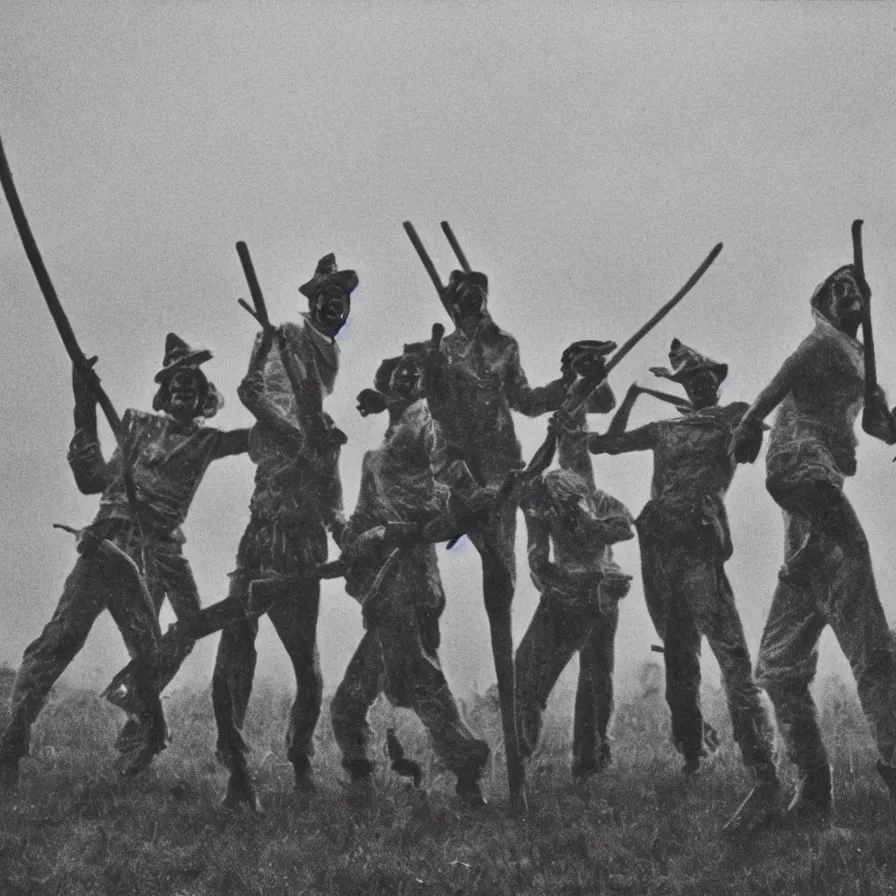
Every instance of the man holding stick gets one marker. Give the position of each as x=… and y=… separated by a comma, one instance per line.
x=297, y=498
x=477, y=381
x=398, y=582
x=580, y=589
x=685, y=541
x=827, y=577
x=166, y=455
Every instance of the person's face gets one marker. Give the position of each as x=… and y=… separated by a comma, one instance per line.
x=183, y=396
x=845, y=303
x=330, y=309
x=405, y=379
x=702, y=388
x=469, y=308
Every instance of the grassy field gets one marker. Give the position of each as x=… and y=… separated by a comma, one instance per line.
x=639, y=828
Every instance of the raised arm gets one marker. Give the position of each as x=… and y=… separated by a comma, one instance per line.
x=254, y=395
x=644, y=438
x=85, y=456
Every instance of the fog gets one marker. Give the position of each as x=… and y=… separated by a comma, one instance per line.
x=588, y=156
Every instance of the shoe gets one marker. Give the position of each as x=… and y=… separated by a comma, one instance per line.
x=813, y=802
x=240, y=792
x=304, y=777
x=588, y=767
x=888, y=773
x=469, y=769
x=761, y=807
x=138, y=758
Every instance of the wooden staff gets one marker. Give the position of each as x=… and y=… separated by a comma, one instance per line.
x=867, y=333
x=455, y=245
x=78, y=358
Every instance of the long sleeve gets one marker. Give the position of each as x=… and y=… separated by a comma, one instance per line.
x=230, y=442
x=254, y=394
x=523, y=398
x=539, y=548
x=644, y=438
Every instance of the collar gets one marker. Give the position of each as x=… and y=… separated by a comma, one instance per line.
x=328, y=342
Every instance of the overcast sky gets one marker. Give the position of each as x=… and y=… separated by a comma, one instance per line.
x=588, y=156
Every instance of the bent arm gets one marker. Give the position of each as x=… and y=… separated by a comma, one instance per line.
x=523, y=398
x=539, y=549
x=782, y=383
x=230, y=442
x=644, y=438
x=253, y=392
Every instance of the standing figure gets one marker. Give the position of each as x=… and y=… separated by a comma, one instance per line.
x=399, y=584
x=167, y=454
x=297, y=498
x=476, y=383
x=685, y=541
x=827, y=577
x=167, y=572
x=580, y=589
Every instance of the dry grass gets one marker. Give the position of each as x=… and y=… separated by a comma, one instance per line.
x=639, y=828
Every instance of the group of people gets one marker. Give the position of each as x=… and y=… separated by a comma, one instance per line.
x=450, y=463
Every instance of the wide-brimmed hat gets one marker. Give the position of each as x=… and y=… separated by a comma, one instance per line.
x=584, y=350
x=327, y=274
x=179, y=355
x=687, y=361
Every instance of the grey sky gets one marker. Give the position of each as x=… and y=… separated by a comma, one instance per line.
x=588, y=155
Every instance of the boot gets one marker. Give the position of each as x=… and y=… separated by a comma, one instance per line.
x=888, y=773
x=240, y=791
x=304, y=778
x=129, y=736
x=761, y=806
x=469, y=769
x=813, y=802
x=359, y=793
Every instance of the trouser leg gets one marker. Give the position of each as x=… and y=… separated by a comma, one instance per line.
x=295, y=619
x=414, y=679
x=46, y=658
x=355, y=695
x=858, y=621
x=594, y=695
x=788, y=658
x=232, y=681
x=717, y=618
x=132, y=608
x=553, y=636
x=682, y=660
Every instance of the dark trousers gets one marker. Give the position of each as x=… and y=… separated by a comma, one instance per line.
x=97, y=582
x=266, y=549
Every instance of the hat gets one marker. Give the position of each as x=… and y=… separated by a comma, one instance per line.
x=461, y=282
x=822, y=291
x=179, y=355
x=584, y=350
x=210, y=399
x=327, y=274
x=686, y=362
